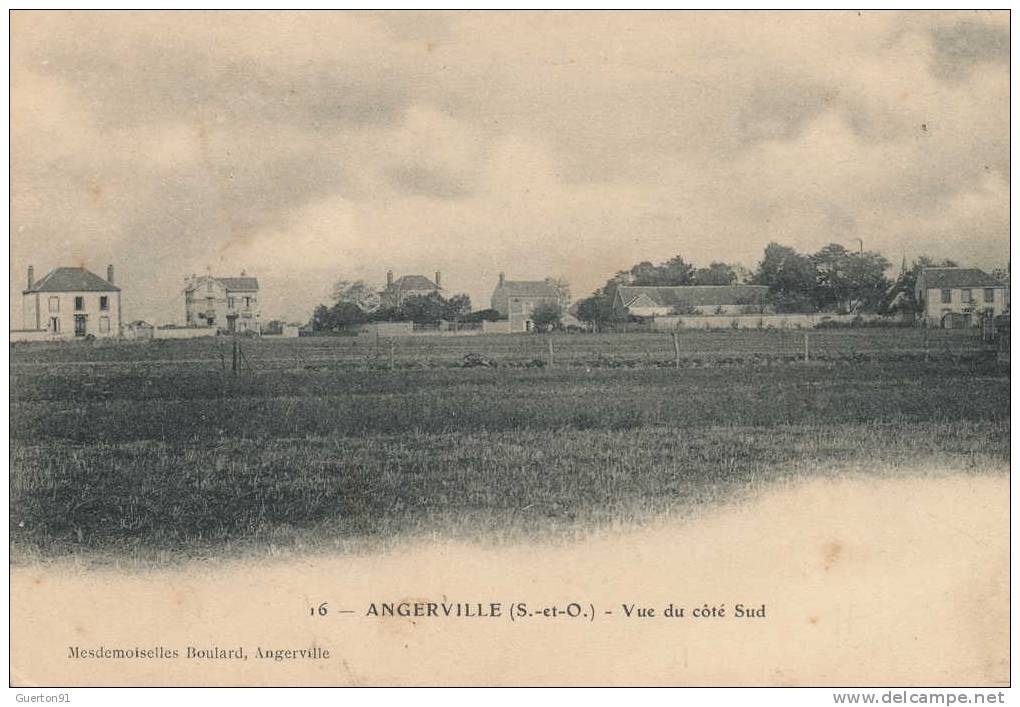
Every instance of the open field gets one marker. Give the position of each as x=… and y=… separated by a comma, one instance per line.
x=697, y=347
x=151, y=452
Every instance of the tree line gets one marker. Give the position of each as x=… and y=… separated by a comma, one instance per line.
x=833, y=279
x=357, y=302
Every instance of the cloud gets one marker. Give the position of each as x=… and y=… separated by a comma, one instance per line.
x=310, y=146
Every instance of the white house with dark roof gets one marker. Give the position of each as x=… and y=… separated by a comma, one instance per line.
x=229, y=304
x=647, y=301
x=406, y=286
x=517, y=299
x=946, y=296
x=70, y=303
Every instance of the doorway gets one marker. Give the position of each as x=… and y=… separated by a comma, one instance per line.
x=79, y=325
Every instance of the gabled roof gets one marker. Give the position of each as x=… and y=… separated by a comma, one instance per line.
x=528, y=288
x=947, y=278
x=231, y=284
x=72, y=280
x=694, y=295
x=413, y=282
x=240, y=284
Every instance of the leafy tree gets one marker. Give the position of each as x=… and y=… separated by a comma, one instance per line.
x=423, y=309
x=790, y=277
x=320, y=319
x=456, y=307
x=675, y=271
x=483, y=315
x=562, y=292
x=357, y=292
x=715, y=274
x=546, y=316
x=341, y=315
x=849, y=281
x=591, y=310
x=1002, y=274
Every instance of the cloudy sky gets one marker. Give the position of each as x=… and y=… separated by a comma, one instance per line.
x=309, y=147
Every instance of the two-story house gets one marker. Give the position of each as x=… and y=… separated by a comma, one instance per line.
x=517, y=299
x=959, y=296
x=72, y=303
x=230, y=304
x=408, y=286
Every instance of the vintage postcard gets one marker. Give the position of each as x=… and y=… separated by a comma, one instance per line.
x=510, y=349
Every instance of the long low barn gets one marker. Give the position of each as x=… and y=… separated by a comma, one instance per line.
x=646, y=301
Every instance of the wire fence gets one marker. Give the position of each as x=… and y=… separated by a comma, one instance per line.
x=246, y=356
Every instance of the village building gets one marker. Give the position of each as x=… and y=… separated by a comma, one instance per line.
x=408, y=286
x=228, y=304
x=647, y=301
x=139, y=329
x=516, y=300
x=71, y=303
x=954, y=297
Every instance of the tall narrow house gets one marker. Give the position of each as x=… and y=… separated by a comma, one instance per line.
x=72, y=303
x=229, y=304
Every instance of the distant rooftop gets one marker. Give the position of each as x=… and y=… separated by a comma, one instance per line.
x=413, y=282
x=528, y=288
x=232, y=284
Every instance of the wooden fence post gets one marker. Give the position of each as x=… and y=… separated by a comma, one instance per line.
x=550, y=351
x=391, y=354
x=233, y=357
x=676, y=349
x=807, y=356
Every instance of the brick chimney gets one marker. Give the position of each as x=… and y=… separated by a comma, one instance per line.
x=502, y=279
x=31, y=276
x=389, y=278
x=109, y=274
x=438, y=281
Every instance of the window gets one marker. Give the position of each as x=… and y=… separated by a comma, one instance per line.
x=104, y=325
x=104, y=303
x=947, y=296
x=965, y=295
x=989, y=294
x=79, y=304
x=208, y=287
x=54, y=304
x=230, y=302
x=55, y=325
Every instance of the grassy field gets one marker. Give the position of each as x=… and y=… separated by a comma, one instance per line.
x=150, y=452
x=697, y=348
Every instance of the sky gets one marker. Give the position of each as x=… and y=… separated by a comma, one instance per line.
x=305, y=148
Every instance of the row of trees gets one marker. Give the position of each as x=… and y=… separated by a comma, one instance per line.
x=357, y=302
x=831, y=279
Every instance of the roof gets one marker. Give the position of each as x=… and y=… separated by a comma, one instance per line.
x=694, y=295
x=413, y=282
x=232, y=284
x=243, y=284
x=528, y=288
x=947, y=278
x=72, y=280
